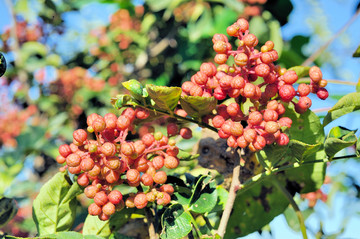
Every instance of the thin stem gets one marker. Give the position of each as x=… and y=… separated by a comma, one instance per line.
x=149, y=217
x=332, y=81
x=326, y=109
x=197, y=229
x=264, y=164
x=293, y=204
x=345, y=157
x=230, y=200
x=315, y=55
x=156, y=149
x=296, y=165
x=171, y=114
x=208, y=224
x=342, y=82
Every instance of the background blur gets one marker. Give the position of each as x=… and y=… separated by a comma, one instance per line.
x=66, y=59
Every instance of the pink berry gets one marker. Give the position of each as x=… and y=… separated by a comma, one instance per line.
x=287, y=93
x=115, y=197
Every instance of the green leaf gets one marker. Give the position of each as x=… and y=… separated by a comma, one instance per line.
x=71, y=234
x=32, y=139
x=197, y=106
x=357, y=52
x=117, y=235
x=156, y=5
x=222, y=198
x=89, y=237
x=121, y=100
x=32, y=48
x=53, y=60
x=186, y=156
x=275, y=35
x=94, y=226
x=301, y=71
x=22, y=7
x=339, y=138
x=183, y=195
x=54, y=208
x=202, y=27
x=301, y=150
x=136, y=90
x=8, y=209
x=308, y=177
x=176, y=222
x=205, y=196
x=292, y=219
x=234, y=5
x=358, y=86
x=306, y=127
x=2, y=64
x=50, y=4
x=190, y=65
x=147, y=22
x=196, y=12
x=347, y=104
x=66, y=235
x=199, y=181
x=292, y=54
x=259, y=28
x=165, y=98
x=358, y=148
x=271, y=155
x=258, y=204
x=224, y=16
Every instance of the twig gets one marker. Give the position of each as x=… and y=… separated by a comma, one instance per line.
x=149, y=217
x=345, y=157
x=200, y=123
x=326, y=109
x=342, y=82
x=293, y=204
x=230, y=200
x=333, y=81
x=315, y=55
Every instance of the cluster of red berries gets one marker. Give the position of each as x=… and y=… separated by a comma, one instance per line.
x=25, y=32
x=70, y=80
x=111, y=160
x=254, y=78
x=13, y=121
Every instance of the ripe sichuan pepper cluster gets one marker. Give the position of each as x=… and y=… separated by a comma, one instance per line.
x=253, y=79
x=111, y=160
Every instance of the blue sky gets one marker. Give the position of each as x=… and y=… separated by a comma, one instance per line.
x=329, y=16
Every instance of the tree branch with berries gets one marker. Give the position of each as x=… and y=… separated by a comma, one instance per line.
x=128, y=168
